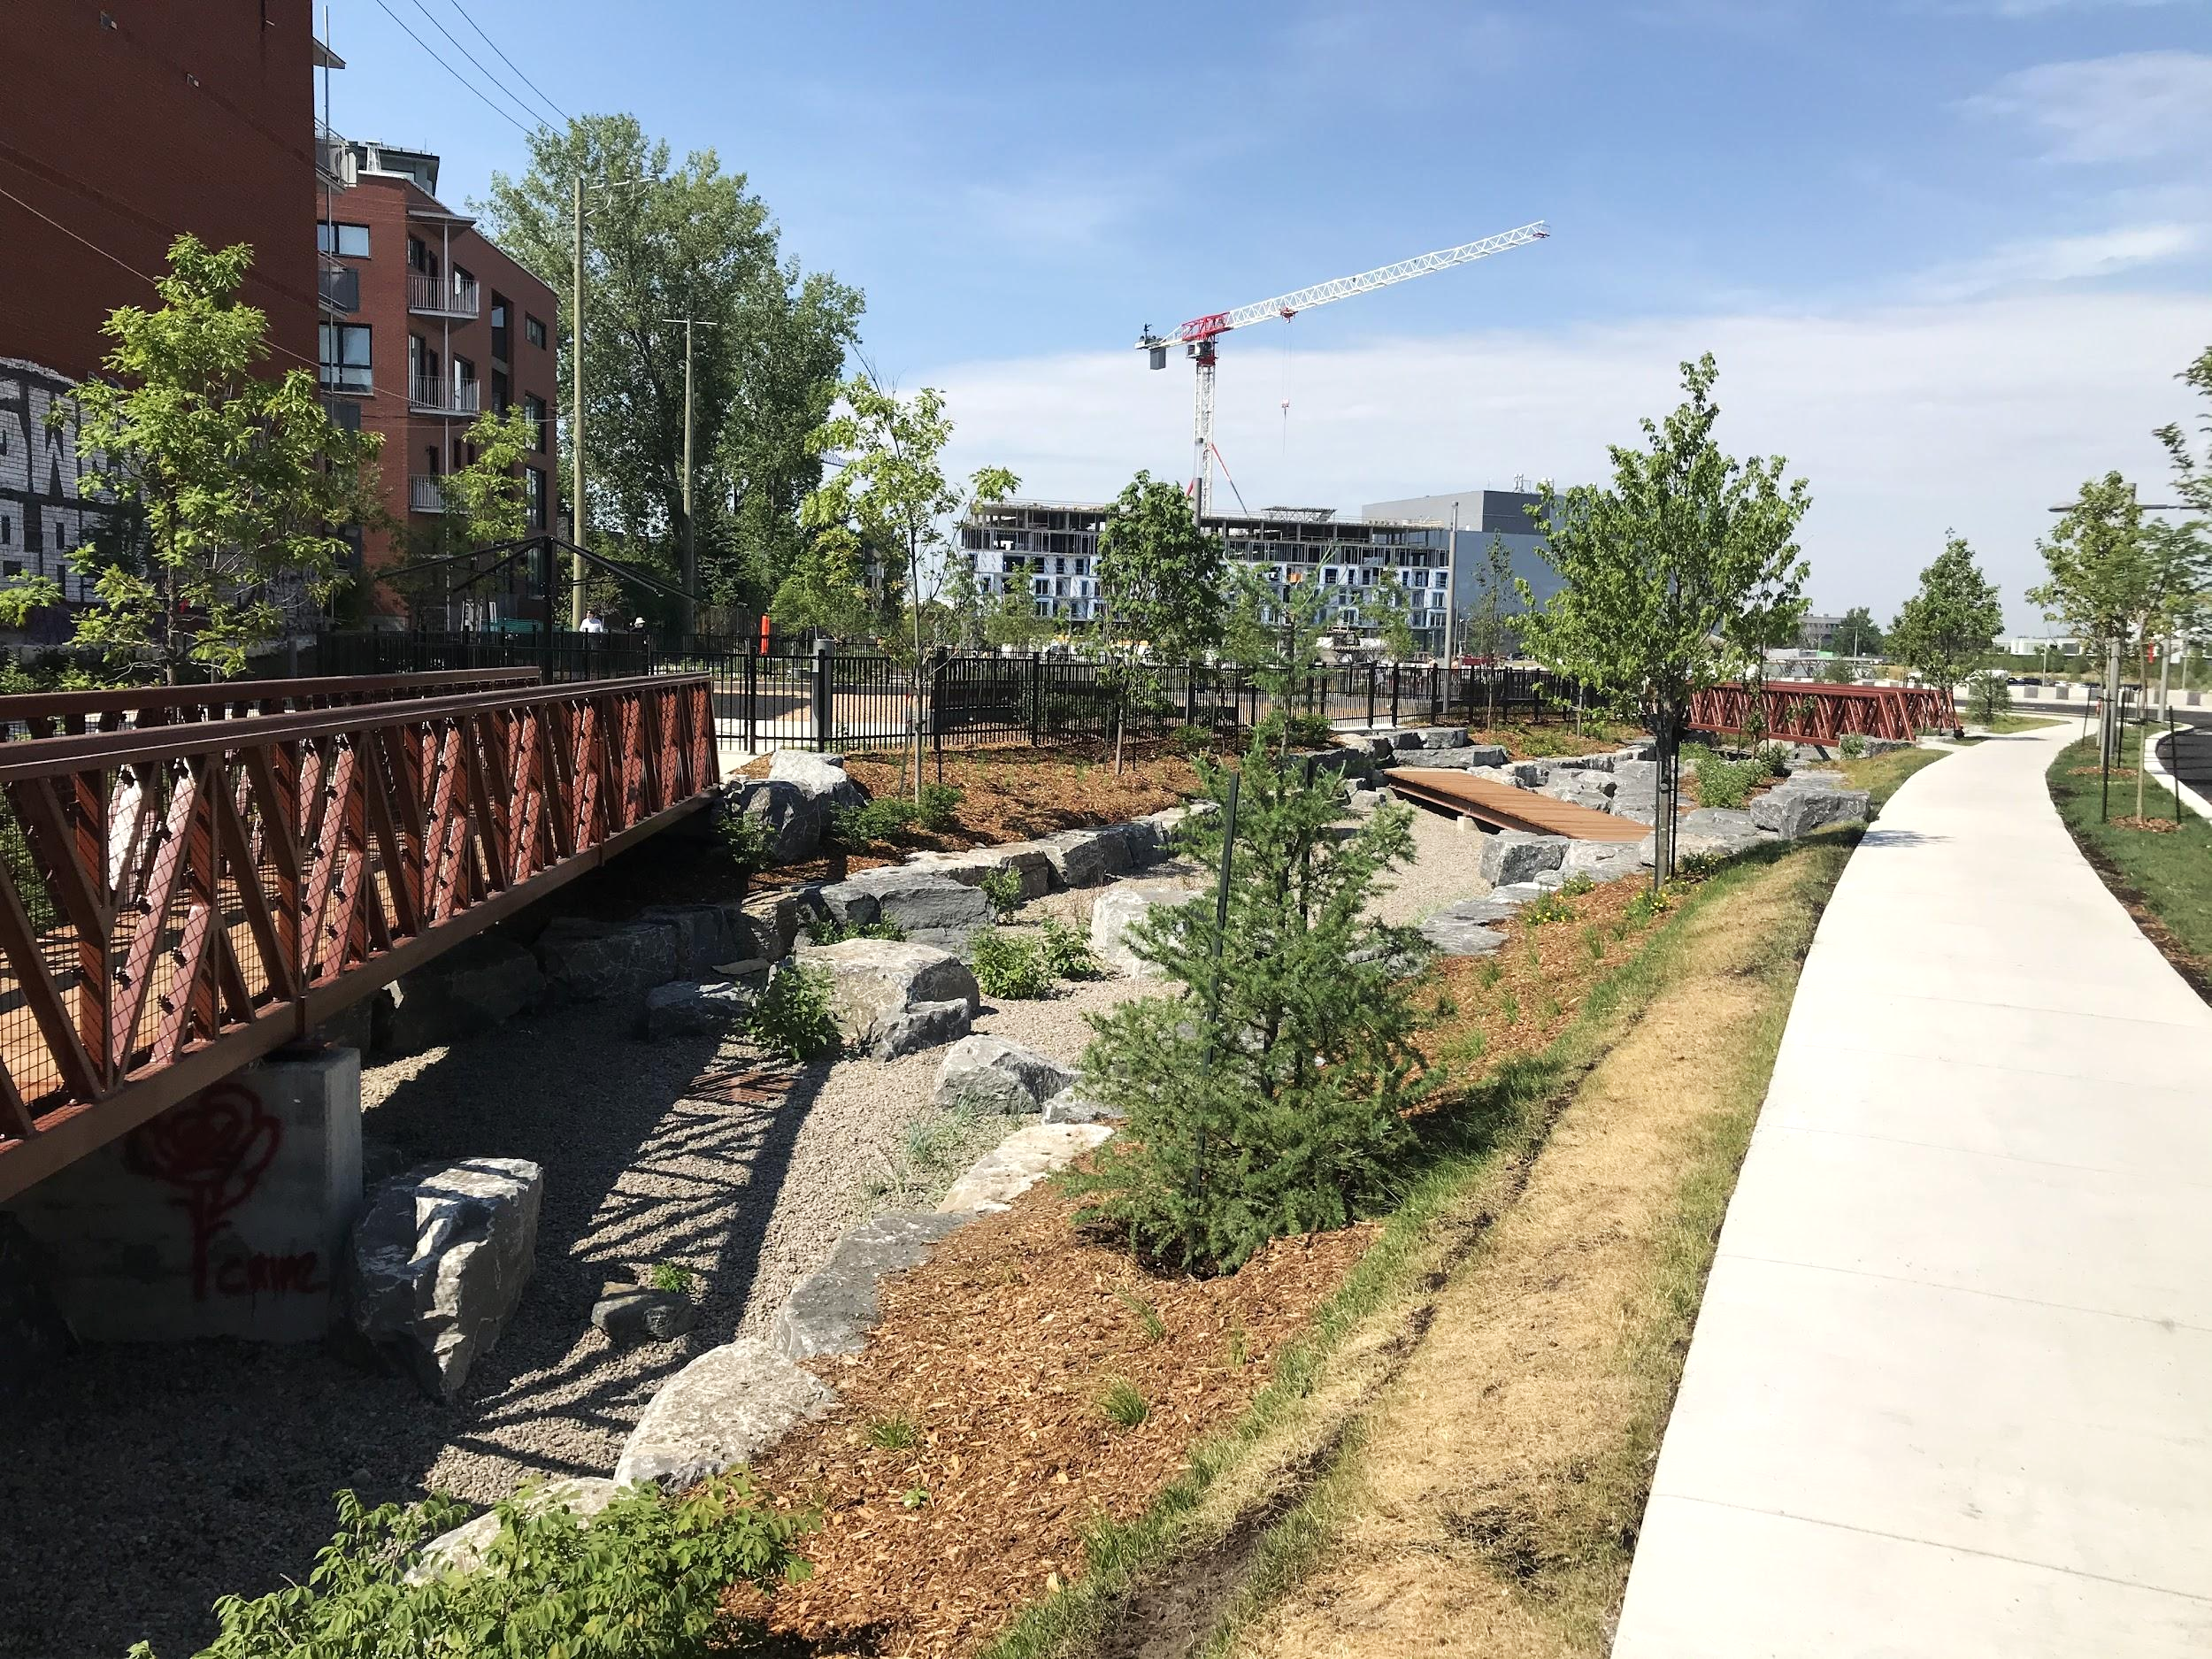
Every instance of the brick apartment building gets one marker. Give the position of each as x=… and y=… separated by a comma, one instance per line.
x=133, y=120
x=425, y=324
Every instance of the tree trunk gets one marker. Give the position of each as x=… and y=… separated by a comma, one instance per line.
x=2143, y=753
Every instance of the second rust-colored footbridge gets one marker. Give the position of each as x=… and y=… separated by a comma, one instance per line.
x=192, y=877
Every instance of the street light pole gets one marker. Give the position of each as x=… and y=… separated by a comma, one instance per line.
x=578, y=518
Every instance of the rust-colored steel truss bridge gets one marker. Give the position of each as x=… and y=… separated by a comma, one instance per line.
x=1805, y=711
x=191, y=888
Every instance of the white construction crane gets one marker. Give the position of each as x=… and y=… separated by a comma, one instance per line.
x=1198, y=336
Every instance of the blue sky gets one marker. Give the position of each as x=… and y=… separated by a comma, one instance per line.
x=1949, y=252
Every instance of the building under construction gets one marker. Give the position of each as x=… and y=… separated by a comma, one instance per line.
x=1053, y=548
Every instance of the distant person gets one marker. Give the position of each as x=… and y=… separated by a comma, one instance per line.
x=593, y=623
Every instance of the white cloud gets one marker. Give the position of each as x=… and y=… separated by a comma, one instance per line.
x=2133, y=107
x=1906, y=419
x=2058, y=259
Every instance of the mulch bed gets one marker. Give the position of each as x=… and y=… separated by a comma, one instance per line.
x=2155, y=825
x=997, y=1351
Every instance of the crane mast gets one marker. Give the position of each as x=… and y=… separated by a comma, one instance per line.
x=1199, y=336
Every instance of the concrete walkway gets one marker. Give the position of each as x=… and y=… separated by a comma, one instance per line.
x=1950, y=1391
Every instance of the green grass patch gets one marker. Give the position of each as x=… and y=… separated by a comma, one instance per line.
x=2169, y=874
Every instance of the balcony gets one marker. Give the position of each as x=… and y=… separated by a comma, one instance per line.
x=339, y=288
x=433, y=297
x=425, y=494
x=444, y=397
x=334, y=157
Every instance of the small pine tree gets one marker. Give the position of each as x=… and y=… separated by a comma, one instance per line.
x=1270, y=1099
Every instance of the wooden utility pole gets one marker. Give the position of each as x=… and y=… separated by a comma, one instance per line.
x=691, y=535
x=577, y=516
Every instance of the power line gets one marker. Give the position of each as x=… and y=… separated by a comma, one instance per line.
x=455, y=74
x=506, y=90
x=510, y=62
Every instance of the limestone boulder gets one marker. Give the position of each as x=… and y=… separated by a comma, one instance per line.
x=1442, y=736
x=475, y=985
x=794, y=820
x=776, y=919
x=1601, y=860
x=686, y=1008
x=1449, y=935
x=438, y=1261
x=873, y=982
x=1791, y=811
x=585, y=961
x=834, y=1308
x=461, y=1549
x=1025, y=859
x=1517, y=892
x=1584, y=763
x=924, y=1026
x=1725, y=823
x=1590, y=789
x=1512, y=856
x=1531, y=774
x=1118, y=910
x=1807, y=778
x=1018, y=1162
x=991, y=1074
x=926, y=905
x=705, y=934
x=727, y=1407
x=1085, y=858
x=638, y=1313
x=821, y=778
x=1071, y=1106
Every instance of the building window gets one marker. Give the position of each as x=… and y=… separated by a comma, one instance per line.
x=499, y=390
x=499, y=332
x=533, y=330
x=13, y=567
x=350, y=242
x=419, y=257
x=533, y=493
x=534, y=408
x=345, y=357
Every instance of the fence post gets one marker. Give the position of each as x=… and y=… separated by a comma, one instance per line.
x=752, y=698
x=1394, y=694
x=1190, y=693
x=1036, y=696
x=824, y=673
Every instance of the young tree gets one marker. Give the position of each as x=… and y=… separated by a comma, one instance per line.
x=684, y=240
x=1159, y=589
x=1011, y=621
x=1275, y=632
x=1688, y=562
x=236, y=485
x=2193, y=477
x=485, y=498
x=1945, y=629
x=1387, y=608
x=889, y=488
x=1487, y=632
x=1269, y=1098
x=825, y=592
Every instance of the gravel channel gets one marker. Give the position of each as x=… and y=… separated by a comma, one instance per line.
x=141, y=1482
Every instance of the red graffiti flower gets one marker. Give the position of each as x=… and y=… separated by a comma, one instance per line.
x=214, y=1151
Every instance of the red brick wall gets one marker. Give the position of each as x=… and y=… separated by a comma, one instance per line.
x=191, y=115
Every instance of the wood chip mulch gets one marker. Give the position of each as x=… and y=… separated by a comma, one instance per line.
x=996, y=1352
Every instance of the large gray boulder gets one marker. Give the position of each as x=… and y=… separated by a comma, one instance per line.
x=875, y=982
x=1119, y=908
x=1583, y=763
x=992, y=1074
x=1025, y=859
x=1601, y=860
x=1452, y=935
x=1071, y=1106
x=923, y=1025
x=834, y=1308
x=775, y=920
x=585, y=961
x=1725, y=823
x=1791, y=811
x=727, y=1407
x=1018, y=1162
x=473, y=988
x=819, y=778
x=795, y=821
x=705, y=934
x=1531, y=774
x=1442, y=736
x=1085, y=858
x=926, y=905
x=1512, y=856
x=438, y=1261
x=1591, y=789
x=684, y=1007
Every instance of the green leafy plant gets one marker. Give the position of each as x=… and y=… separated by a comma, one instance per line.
x=1648, y=905
x=746, y=841
x=1510, y=1008
x=827, y=930
x=1702, y=865
x=1774, y=759
x=1010, y=967
x=1489, y=974
x=1240, y=1347
x=893, y=1433
x=793, y=1016
x=1577, y=884
x=1123, y=1405
x=1148, y=1316
x=1551, y=907
x=1726, y=783
x=1067, y=954
x=1191, y=742
x=672, y=1276
x=1593, y=941
x=882, y=820
x=914, y=1497
x=1853, y=746
x=939, y=803
x=1270, y=1097
x=1003, y=888
x=642, y=1580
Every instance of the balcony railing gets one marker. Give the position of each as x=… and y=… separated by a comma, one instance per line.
x=334, y=157
x=339, y=287
x=436, y=297
x=425, y=494
x=351, y=379
x=443, y=397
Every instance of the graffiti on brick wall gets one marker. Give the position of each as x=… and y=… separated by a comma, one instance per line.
x=212, y=1151
x=44, y=520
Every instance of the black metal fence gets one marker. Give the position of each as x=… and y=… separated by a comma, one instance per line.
x=826, y=699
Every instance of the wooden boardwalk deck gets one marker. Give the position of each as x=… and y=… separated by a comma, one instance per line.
x=1504, y=807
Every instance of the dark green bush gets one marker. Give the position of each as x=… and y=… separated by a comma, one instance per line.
x=879, y=820
x=1003, y=888
x=827, y=930
x=745, y=840
x=1010, y=967
x=642, y=1580
x=1723, y=783
x=940, y=801
x=793, y=1015
x=1067, y=954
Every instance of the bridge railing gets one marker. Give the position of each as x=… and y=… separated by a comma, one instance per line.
x=175, y=902
x=1807, y=711
x=137, y=708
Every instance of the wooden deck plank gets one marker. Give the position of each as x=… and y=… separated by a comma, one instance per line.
x=1507, y=808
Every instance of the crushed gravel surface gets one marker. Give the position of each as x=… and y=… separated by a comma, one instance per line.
x=137, y=1483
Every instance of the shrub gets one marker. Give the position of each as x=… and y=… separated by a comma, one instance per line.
x=672, y=1276
x=1577, y=884
x=1191, y=742
x=1726, y=783
x=1123, y=1405
x=1987, y=695
x=881, y=820
x=939, y=803
x=1692, y=868
x=793, y=1016
x=1297, y=730
x=1270, y=1097
x=745, y=840
x=1853, y=746
x=1552, y=907
x=641, y=1580
x=1003, y=888
x=1773, y=759
x=1010, y=967
x=827, y=930
x=1067, y=953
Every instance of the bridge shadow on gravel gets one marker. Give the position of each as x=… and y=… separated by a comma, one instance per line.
x=140, y=1483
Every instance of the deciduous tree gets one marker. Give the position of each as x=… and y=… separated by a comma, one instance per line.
x=1943, y=630
x=1159, y=588
x=1686, y=563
